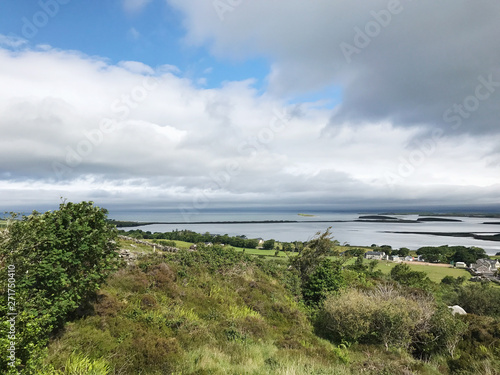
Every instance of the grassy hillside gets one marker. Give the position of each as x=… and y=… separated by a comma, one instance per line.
x=213, y=311
x=193, y=313
x=221, y=311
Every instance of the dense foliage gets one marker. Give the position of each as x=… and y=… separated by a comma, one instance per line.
x=319, y=275
x=394, y=317
x=209, y=311
x=59, y=260
x=448, y=254
x=189, y=236
x=404, y=275
x=219, y=311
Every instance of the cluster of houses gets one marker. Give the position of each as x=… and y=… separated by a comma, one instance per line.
x=380, y=255
x=483, y=268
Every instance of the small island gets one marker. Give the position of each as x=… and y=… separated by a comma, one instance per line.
x=377, y=217
x=438, y=219
x=306, y=215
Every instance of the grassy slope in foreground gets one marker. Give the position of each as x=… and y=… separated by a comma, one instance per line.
x=187, y=314
x=196, y=313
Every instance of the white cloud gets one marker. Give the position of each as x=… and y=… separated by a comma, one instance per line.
x=134, y=34
x=171, y=141
x=136, y=67
x=135, y=6
x=408, y=62
x=12, y=41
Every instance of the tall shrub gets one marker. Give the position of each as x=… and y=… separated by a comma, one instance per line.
x=58, y=260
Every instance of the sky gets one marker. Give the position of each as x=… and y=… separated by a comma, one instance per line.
x=198, y=104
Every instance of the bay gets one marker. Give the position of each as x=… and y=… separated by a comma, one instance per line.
x=344, y=228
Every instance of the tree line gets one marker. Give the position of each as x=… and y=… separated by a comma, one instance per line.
x=193, y=237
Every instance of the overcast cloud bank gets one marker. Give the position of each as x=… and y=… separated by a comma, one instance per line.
x=416, y=123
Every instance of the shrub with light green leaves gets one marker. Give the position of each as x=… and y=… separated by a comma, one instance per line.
x=386, y=315
x=60, y=258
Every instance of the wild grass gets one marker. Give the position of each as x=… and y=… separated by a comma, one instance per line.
x=193, y=314
x=218, y=311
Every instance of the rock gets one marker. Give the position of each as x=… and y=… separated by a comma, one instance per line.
x=457, y=310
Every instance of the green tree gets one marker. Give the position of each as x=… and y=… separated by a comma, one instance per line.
x=252, y=244
x=404, y=252
x=298, y=246
x=59, y=260
x=318, y=275
x=403, y=274
x=268, y=245
x=468, y=254
x=387, y=249
x=354, y=252
x=326, y=278
x=359, y=265
x=311, y=256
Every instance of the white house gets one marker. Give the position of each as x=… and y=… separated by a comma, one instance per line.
x=378, y=255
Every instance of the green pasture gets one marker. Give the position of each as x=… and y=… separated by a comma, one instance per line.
x=435, y=273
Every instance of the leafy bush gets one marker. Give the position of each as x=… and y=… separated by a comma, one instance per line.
x=385, y=315
x=60, y=258
x=403, y=274
x=325, y=279
x=441, y=335
x=479, y=351
x=453, y=281
x=479, y=299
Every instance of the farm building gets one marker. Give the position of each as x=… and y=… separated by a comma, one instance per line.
x=378, y=255
x=485, y=266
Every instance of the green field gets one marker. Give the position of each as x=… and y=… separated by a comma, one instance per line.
x=125, y=244
x=270, y=253
x=435, y=273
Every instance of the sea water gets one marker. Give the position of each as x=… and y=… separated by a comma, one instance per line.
x=343, y=227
